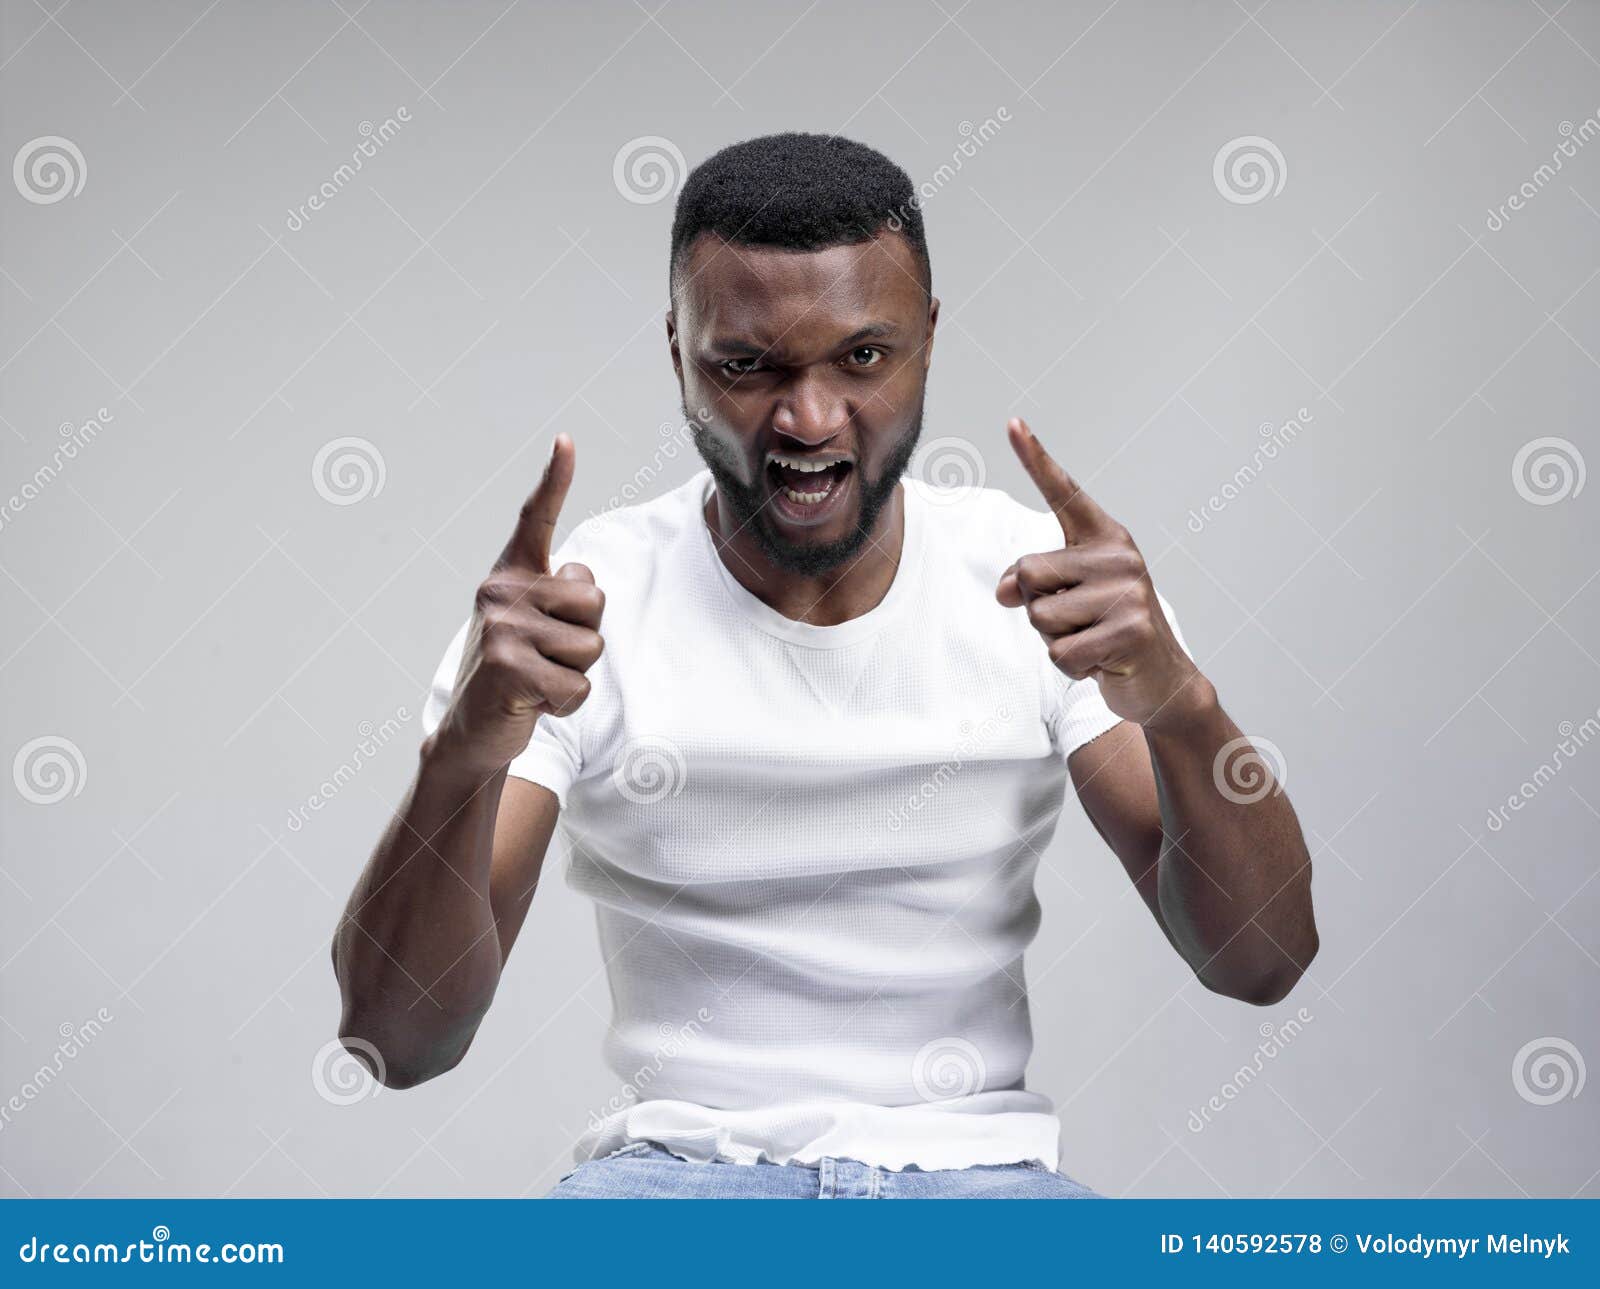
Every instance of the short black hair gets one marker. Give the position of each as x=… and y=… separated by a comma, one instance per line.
x=801, y=192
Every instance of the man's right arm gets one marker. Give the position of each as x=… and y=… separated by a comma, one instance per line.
x=425, y=934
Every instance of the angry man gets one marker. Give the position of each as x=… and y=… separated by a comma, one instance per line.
x=808, y=724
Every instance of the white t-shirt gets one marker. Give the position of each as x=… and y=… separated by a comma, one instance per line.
x=812, y=848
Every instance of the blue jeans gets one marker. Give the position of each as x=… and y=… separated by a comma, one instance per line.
x=646, y=1171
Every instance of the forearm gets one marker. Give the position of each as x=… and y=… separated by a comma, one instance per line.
x=1232, y=886
x=1234, y=881
x=416, y=951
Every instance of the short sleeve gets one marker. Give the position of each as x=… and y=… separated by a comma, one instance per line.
x=1078, y=714
x=553, y=758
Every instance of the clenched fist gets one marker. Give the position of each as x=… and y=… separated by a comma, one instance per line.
x=1094, y=604
x=533, y=635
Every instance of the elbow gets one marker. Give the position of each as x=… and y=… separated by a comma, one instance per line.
x=1263, y=989
x=1268, y=989
x=397, y=1045
x=397, y=1065
x=1268, y=984
x=400, y=1046
x=400, y=1076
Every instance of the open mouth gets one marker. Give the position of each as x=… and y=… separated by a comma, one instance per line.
x=806, y=489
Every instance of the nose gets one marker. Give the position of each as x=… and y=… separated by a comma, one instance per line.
x=810, y=412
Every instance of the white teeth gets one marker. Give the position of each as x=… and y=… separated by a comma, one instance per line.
x=805, y=467
x=802, y=465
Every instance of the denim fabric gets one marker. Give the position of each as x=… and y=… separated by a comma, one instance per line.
x=646, y=1171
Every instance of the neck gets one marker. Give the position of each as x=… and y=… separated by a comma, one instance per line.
x=842, y=593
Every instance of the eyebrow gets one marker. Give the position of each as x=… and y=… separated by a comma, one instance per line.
x=871, y=331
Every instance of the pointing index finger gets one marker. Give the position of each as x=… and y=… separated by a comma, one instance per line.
x=529, y=546
x=1077, y=512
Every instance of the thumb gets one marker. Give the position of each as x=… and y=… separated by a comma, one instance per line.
x=1009, y=590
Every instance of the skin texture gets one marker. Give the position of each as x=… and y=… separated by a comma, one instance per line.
x=821, y=354
x=1228, y=881
x=419, y=950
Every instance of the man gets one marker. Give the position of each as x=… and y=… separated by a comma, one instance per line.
x=808, y=769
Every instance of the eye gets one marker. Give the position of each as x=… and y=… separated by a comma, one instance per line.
x=865, y=356
x=739, y=366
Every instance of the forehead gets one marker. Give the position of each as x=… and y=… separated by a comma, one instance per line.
x=765, y=292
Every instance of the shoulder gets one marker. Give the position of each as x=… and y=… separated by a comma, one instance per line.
x=633, y=538
x=986, y=521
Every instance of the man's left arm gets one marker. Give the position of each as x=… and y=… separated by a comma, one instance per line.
x=1190, y=808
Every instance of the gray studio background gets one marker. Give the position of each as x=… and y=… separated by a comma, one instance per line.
x=208, y=612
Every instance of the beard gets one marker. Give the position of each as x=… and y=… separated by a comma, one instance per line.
x=747, y=504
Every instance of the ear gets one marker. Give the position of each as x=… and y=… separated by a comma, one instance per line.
x=933, y=321
x=672, y=345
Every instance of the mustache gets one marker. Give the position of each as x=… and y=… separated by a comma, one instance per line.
x=747, y=501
